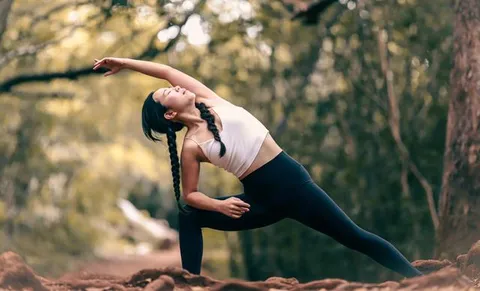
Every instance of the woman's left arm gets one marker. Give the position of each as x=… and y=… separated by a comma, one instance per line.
x=179, y=78
x=161, y=71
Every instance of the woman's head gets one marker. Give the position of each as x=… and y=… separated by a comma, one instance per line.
x=161, y=109
x=154, y=119
x=176, y=99
x=159, y=113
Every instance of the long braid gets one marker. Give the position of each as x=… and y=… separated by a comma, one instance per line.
x=172, y=149
x=154, y=122
x=210, y=119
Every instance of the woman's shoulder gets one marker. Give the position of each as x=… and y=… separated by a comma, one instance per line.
x=191, y=148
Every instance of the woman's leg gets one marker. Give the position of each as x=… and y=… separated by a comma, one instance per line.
x=313, y=207
x=190, y=228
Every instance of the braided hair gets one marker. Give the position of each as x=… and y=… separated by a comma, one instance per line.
x=210, y=119
x=154, y=122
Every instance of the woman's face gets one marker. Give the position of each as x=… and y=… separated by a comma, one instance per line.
x=174, y=98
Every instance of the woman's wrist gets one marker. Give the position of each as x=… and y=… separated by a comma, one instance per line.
x=128, y=64
x=216, y=204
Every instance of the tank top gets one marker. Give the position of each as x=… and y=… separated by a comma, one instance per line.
x=243, y=136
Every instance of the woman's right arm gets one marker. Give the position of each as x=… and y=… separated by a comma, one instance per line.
x=232, y=207
x=190, y=175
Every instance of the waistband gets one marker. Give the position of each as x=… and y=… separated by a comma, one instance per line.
x=281, y=172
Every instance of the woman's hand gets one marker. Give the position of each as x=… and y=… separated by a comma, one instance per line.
x=233, y=207
x=114, y=65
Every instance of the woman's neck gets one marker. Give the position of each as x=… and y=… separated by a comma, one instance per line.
x=191, y=119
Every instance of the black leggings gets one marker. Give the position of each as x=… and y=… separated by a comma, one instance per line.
x=280, y=189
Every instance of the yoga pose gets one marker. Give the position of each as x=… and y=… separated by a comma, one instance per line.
x=275, y=185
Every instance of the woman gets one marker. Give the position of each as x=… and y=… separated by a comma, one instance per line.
x=275, y=185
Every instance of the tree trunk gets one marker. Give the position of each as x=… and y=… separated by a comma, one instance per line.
x=460, y=195
x=5, y=6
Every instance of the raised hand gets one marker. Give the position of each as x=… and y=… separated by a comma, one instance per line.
x=114, y=65
x=234, y=207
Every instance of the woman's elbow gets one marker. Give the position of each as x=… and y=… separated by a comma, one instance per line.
x=187, y=197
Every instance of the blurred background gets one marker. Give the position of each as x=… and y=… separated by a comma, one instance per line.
x=357, y=91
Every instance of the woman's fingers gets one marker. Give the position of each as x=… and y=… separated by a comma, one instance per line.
x=111, y=72
x=239, y=212
x=97, y=65
x=237, y=208
x=234, y=208
x=235, y=215
x=240, y=203
x=240, y=206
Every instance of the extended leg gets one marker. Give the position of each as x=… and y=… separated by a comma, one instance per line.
x=314, y=208
x=190, y=228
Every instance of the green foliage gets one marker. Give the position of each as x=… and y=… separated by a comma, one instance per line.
x=340, y=131
x=71, y=147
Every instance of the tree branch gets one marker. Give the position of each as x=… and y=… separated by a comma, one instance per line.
x=41, y=95
x=310, y=15
x=33, y=49
x=150, y=52
x=55, y=9
x=394, y=123
x=5, y=6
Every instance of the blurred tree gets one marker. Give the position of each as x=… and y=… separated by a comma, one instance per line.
x=123, y=3
x=149, y=52
x=310, y=15
x=345, y=126
x=359, y=98
x=5, y=6
x=54, y=172
x=460, y=199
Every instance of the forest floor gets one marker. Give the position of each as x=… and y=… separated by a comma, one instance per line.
x=126, y=265
x=161, y=271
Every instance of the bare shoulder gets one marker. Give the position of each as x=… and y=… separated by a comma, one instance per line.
x=190, y=149
x=191, y=152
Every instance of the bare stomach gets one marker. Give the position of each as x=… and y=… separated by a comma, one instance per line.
x=269, y=150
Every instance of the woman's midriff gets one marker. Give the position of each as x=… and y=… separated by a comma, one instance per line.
x=269, y=150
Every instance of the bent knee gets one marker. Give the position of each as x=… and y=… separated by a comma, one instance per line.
x=187, y=218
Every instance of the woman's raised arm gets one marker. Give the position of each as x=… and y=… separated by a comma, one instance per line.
x=161, y=71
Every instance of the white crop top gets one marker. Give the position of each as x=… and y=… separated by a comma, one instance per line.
x=243, y=136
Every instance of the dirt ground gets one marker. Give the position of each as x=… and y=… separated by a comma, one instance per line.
x=123, y=266
x=161, y=271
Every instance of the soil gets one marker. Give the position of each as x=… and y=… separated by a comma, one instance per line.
x=161, y=271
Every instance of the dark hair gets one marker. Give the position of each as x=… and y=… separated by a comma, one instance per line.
x=154, y=123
